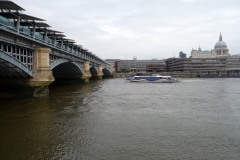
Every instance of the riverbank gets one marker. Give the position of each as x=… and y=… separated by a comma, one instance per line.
x=123, y=75
x=182, y=75
x=175, y=75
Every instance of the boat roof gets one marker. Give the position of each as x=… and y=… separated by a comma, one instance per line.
x=153, y=76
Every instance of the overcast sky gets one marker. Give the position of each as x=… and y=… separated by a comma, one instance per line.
x=147, y=29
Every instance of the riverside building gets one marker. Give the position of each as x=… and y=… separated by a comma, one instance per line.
x=112, y=61
x=222, y=65
x=195, y=64
x=153, y=65
x=155, y=68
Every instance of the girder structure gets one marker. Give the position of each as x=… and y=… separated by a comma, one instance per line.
x=16, y=61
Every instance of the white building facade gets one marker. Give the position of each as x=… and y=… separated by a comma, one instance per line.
x=220, y=50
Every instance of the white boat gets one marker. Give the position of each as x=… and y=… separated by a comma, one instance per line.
x=155, y=78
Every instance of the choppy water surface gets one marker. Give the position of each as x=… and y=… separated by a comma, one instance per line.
x=112, y=119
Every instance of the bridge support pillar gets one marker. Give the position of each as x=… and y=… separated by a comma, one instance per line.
x=43, y=76
x=112, y=70
x=100, y=72
x=86, y=75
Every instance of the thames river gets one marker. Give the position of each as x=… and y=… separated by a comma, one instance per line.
x=117, y=120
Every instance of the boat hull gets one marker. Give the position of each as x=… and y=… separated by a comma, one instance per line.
x=155, y=78
x=157, y=81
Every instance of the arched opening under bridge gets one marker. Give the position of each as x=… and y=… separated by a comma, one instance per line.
x=67, y=71
x=93, y=72
x=106, y=73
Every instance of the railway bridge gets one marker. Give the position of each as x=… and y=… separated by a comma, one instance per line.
x=34, y=54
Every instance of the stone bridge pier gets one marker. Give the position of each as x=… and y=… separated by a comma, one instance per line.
x=43, y=76
x=86, y=73
x=100, y=72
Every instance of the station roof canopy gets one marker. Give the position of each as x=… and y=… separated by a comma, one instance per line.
x=15, y=15
x=58, y=36
x=50, y=31
x=80, y=46
x=37, y=24
x=9, y=5
x=53, y=31
x=77, y=46
x=69, y=41
x=66, y=39
x=55, y=35
x=28, y=17
x=60, y=39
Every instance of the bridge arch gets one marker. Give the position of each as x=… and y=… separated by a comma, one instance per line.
x=11, y=67
x=106, y=71
x=93, y=71
x=64, y=68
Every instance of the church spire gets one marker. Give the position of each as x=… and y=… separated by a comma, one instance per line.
x=220, y=38
x=199, y=49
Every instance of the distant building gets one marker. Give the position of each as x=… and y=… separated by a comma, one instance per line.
x=139, y=65
x=236, y=55
x=233, y=63
x=195, y=64
x=219, y=65
x=182, y=55
x=112, y=61
x=116, y=65
x=155, y=68
x=125, y=64
x=220, y=50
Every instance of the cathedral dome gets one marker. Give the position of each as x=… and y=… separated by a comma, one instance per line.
x=220, y=43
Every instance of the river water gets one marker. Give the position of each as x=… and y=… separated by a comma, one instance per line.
x=113, y=119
